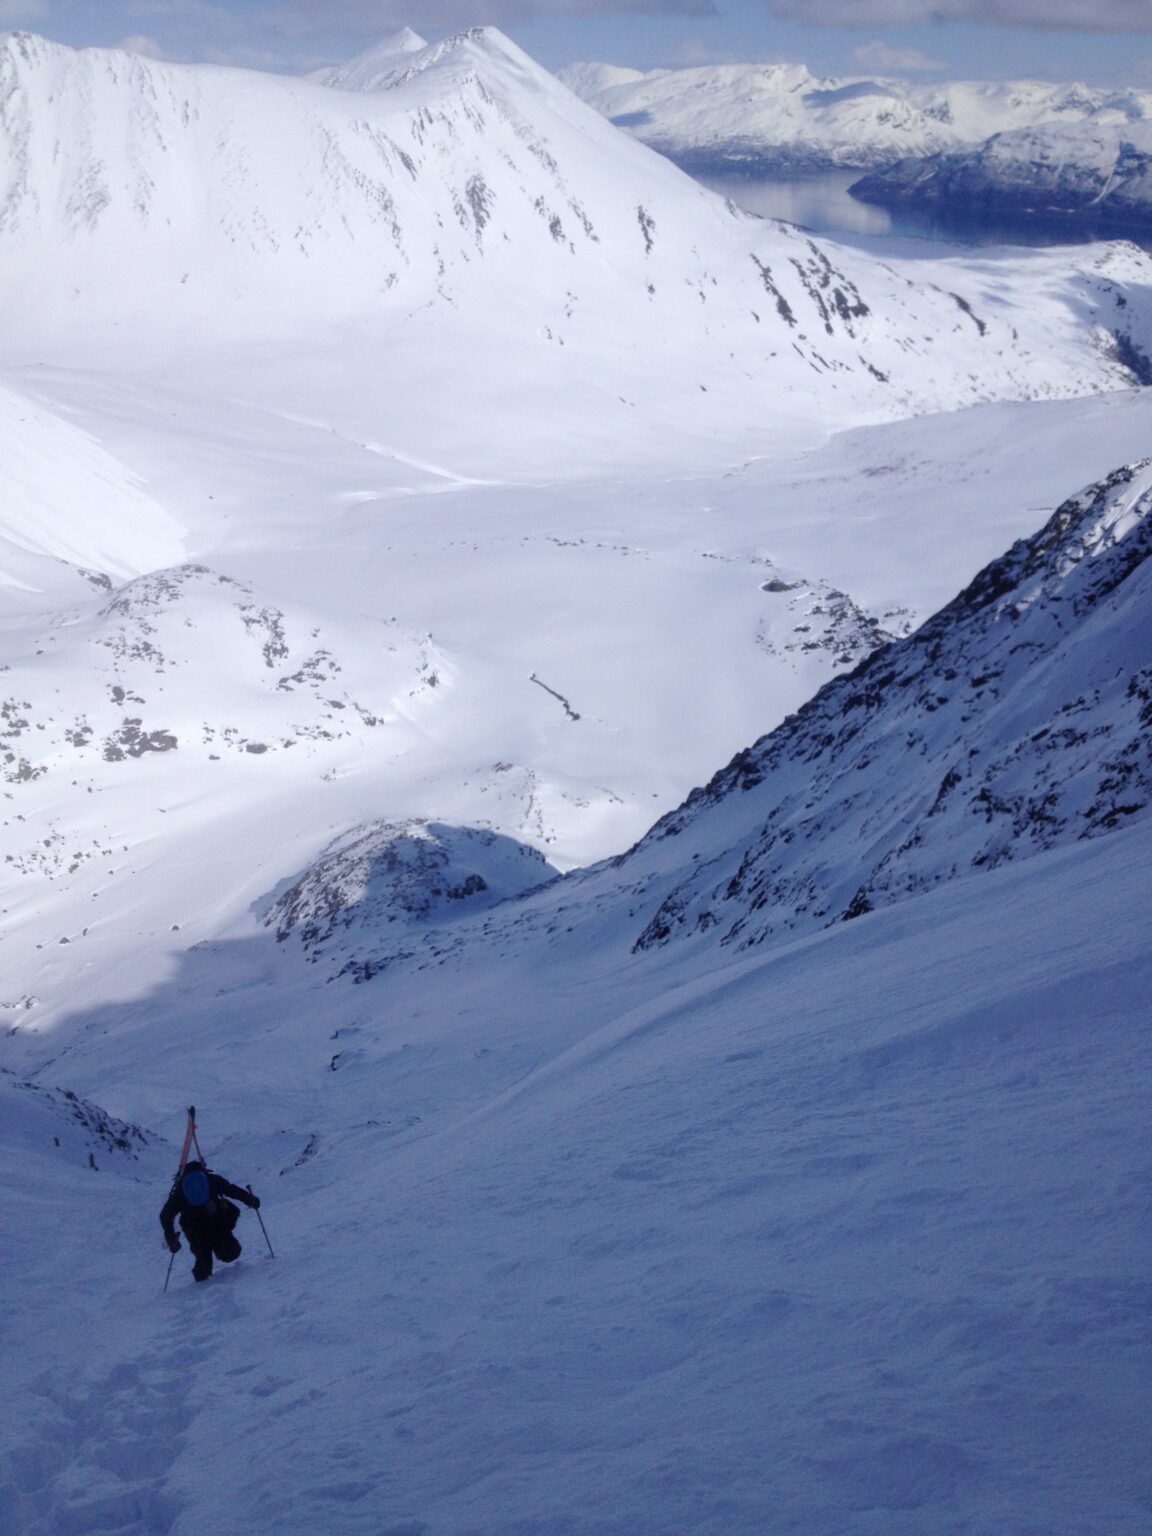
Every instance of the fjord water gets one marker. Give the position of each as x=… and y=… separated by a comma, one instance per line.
x=824, y=204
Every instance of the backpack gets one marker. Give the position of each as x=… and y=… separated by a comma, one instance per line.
x=196, y=1192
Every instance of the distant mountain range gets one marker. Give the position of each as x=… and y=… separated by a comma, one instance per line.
x=1025, y=149
x=1094, y=175
x=780, y=118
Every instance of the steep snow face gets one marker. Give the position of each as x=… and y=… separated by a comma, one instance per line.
x=1097, y=174
x=474, y=205
x=849, y=1230
x=68, y=506
x=781, y=117
x=1016, y=720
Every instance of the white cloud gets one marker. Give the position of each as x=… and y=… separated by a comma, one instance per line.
x=1043, y=15
x=879, y=56
x=374, y=17
x=198, y=10
x=146, y=47
x=22, y=10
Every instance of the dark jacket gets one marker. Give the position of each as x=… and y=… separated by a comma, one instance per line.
x=201, y=1218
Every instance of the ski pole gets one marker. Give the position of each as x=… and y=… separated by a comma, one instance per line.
x=263, y=1228
x=171, y=1261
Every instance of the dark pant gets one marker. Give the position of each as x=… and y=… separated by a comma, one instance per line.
x=213, y=1239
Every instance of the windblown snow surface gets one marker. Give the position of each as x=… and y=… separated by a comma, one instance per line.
x=411, y=489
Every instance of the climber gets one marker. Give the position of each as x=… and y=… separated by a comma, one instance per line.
x=203, y=1202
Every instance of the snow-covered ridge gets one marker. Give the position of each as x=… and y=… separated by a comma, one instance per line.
x=405, y=874
x=56, y=1123
x=1095, y=174
x=765, y=118
x=1014, y=721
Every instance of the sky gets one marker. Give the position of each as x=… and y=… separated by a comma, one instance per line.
x=1103, y=42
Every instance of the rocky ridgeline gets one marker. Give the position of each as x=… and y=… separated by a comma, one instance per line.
x=395, y=877
x=1016, y=720
x=56, y=1120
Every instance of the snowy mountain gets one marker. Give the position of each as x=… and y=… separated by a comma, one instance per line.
x=370, y=70
x=410, y=487
x=765, y=119
x=1014, y=721
x=1092, y=175
x=160, y=212
x=371, y=446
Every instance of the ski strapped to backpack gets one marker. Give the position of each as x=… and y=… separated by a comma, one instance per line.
x=190, y=1140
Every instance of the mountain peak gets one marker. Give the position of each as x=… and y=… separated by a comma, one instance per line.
x=368, y=69
x=476, y=48
x=405, y=55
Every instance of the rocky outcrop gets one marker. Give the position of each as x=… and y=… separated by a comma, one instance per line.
x=1015, y=721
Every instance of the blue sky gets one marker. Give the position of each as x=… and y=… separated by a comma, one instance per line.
x=1101, y=41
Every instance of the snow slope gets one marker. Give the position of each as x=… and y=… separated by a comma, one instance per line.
x=847, y=1235
x=577, y=1235
x=780, y=117
x=70, y=508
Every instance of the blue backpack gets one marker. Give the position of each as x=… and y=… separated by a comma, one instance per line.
x=197, y=1192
